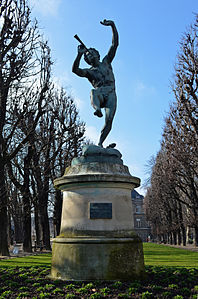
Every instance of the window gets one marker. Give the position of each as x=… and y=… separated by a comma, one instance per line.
x=138, y=209
x=138, y=222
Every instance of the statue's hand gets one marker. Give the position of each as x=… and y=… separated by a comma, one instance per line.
x=81, y=49
x=107, y=22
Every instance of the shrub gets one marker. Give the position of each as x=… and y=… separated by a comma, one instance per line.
x=36, y=284
x=166, y=294
x=105, y=291
x=156, y=288
x=132, y=290
x=89, y=286
x=196, y=288
x=57, y=290
x=185, y=291
x=146, y=295
x=23, y=288
x=95, y=295
x=68, y=296
x=40, y=289
x=13, y=284
x=117, y=284
x=49, y=286
x=23, y=275
x=135, y=285
x=44, y=295
x=82, y=290
x=5, y=294
x=23, y=295
x=173, y=286
x=70, y=286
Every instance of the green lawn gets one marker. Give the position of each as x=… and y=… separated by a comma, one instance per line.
x=28, y=261
x=171, y=273
x=160, y=255
x=154, y=255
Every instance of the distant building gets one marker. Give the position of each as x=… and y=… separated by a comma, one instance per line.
x=141, y=226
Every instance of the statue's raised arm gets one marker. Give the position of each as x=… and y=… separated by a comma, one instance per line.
x=115, y=39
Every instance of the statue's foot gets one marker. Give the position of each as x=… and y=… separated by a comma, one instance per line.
x=98, y=113
x=100, y=144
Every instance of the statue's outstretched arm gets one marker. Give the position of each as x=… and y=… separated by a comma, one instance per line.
x=75, y=68
x=115, y=39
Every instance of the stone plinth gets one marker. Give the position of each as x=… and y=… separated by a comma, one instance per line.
x=97, y=240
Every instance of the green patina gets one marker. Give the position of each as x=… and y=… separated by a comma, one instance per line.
x=130, y=259
x=107, y=260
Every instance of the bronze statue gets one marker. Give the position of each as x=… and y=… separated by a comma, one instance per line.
x=100, y=75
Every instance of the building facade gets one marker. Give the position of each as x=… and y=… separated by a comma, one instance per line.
x=141, y=226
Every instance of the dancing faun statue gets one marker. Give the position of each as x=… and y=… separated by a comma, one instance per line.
x=101, y=76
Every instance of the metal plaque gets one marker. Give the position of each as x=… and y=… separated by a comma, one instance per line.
x=100, y=210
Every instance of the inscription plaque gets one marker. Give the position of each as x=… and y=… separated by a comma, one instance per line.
x=100, y=210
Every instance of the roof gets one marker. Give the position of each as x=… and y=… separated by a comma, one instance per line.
x=135, y=194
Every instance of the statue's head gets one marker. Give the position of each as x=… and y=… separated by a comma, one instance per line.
x=92, y=56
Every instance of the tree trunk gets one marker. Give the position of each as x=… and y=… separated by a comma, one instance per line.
x=196, y=236
x=45, y=225
x=168, y=238
x=27, y=225
x=174, y=238
x=37, y=225
x=18, y=230
x=171, y=238
x=188, y=235
x=183, y=230
x=58, y=210
x=10, y=231
x=179, y=238
x=3, y=213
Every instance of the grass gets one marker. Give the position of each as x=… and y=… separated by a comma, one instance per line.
x=27, y=261
x=171, y=273
x=161, y=282
x=160, y=255
x=154, y=255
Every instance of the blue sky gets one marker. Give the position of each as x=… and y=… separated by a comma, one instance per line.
x=150, y=32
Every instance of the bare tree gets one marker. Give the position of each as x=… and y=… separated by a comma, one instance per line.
x=175, y=175
x=19, y=42
x=58, y=139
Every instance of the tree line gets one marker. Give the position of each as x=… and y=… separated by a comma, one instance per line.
x=171, y=201
x=40, y=130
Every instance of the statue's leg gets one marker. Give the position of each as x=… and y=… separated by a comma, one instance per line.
x=95, y=102
x=110, y=110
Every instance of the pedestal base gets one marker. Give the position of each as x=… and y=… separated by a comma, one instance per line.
x=97, y=240
x=97, y=259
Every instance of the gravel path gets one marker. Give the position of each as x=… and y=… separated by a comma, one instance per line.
x=188, y=247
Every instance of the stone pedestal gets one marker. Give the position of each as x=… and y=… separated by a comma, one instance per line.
x=97, y=240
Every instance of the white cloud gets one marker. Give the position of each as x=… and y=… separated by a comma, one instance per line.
x=46, y=7
x=92, y=134
x=141, y=89
x=63, y=80
x=79, y=103
x=135, y=170
x=141, y=190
